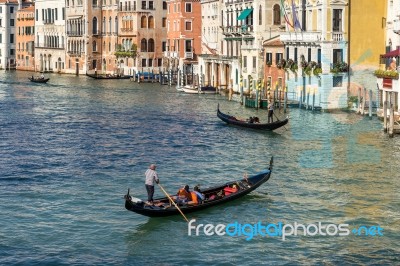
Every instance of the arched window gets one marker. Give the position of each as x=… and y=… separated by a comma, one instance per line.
x=104, y=25
x=277, y=15
x=143, y=45
x=116, y=25
x=151, y=22
x=150, y=46
x=109, y=25
x=143, y=22
x=94, y=46
x=94, y=26
x=260, y=16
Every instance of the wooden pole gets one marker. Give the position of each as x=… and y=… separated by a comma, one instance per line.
x=370, y=103
x=313, y=100
x=285, y=101
x=391, y=122
x=385, y=114
x=308, y=99
x=359, y=100
x=176, y=206
x=363, y=101
x=301, y=98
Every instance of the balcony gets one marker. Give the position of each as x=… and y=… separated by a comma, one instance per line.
x=188, y=55
x=337, y=36
x=301, y=36
x=247, y=29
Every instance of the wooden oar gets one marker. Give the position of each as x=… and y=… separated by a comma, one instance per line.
x=173, y=202
x=279, y=120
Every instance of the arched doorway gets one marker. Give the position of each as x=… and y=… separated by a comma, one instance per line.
x=59, y=65
x=77, y=66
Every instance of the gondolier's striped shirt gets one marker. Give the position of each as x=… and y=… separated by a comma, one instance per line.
x=151, y=176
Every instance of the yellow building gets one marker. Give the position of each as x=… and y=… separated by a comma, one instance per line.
x=367, y=34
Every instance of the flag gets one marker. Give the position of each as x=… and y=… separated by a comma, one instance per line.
x=296, y=22
x=284, y=15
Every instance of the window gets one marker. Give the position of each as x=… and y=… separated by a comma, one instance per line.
x=11, y=38
x=164, y=22
x=309, y=54
x=12, y=22
x=11, y=9
x=94, y=26
x=277, y=15
x=143, y=62
x=188, y=46
x=164, y=46
x=337, y=56
x=150, y=47
x=151, y=22
x=150, y=62
x=143, y=4
x=143, y=22
x=337, y=20
x=12, y=52
x=94, y=2
x=268, y=58
x=56, y=13
x=188, y=7
x=143, y=45
x=254, y=61
x=278, y=58
x=188, y=25
x=151, y=5
x=319, y=56
x=94, y=46
x=164, y=5
x=244, y=61
x=260, y=15
x=287, y=53
x=295, y=55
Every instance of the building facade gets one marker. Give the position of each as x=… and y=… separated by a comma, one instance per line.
x=184, y=38
x=25, y=39
x=316, y=52
x=50, y=36
x=8, y=15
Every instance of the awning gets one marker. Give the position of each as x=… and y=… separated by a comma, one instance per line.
x=245, y=13
x=394, y=53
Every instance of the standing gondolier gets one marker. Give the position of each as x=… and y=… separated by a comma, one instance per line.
x=270, y=111
x=151, y=176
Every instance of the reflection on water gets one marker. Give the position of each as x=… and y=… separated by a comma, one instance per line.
x=72, y=147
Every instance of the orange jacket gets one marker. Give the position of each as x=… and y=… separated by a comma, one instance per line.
x=182, y=193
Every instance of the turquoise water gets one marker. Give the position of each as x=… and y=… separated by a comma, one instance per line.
x=71, y=148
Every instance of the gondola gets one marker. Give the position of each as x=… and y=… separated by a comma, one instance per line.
x=265, y=126
x=213, y=196
x=96, y=76
x=39, y=80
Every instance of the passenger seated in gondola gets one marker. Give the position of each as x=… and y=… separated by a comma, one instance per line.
x=197, y=196
x=229, y=190
x=183, y=196
x=250, y=120
x=256, y=119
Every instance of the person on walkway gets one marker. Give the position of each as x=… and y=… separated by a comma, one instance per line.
x=270, y=111
x=151, y=177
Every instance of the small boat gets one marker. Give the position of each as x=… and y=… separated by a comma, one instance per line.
x=208, y=90
x=96, y=76
x=229, y=119
x=190, y=89
x=39, y=80
x=213, y=196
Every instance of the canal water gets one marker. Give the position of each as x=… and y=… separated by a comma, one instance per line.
x=70, y=149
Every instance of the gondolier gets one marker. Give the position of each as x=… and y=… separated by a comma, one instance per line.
x=270, y=111
x=151, y=177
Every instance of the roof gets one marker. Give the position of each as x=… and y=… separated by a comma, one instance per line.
x=394, y=53
x=274, y=41
x=9, y=1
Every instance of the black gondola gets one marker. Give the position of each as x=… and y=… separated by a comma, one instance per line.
x=266, y=126
x=96, y=76
x=39, y=80
x=213, y=196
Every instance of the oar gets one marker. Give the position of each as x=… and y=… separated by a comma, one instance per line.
x=173, y=202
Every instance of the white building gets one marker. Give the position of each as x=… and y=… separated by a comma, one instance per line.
x=8, y=12
x=319, y=37
x=245, y=25
x=50, y=35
